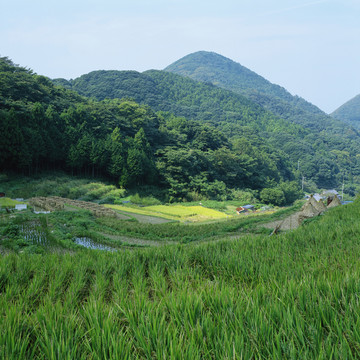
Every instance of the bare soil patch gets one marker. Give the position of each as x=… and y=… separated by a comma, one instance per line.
x=136, y=241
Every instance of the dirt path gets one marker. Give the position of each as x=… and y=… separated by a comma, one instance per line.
x=289, y=223
x=122, y=216
x=136, y=241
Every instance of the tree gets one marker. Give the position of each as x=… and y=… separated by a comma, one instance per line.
x=291, y=190
x=272, y=196
x=117, y=162
x=140, y=164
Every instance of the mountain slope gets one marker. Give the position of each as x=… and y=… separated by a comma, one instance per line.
x=214, y=68
x=47, y=127
x=349, y=112
x=316, y=149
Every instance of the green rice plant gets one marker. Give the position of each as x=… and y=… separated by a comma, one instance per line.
x=60, y=280
x=175, y=212
x=295, y=295
x=106, y=336
x=59, y=333
x=17, y=338
x=136, y=210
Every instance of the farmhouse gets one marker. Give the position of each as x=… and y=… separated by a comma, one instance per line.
x=244, y=209
x=330, y=193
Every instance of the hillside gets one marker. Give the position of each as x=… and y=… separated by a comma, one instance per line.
x=291, y=296
x=349, y=112
x=225, y=73
x=46, y=127
x=319, y=154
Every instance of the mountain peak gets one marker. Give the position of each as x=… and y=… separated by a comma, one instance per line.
x=349, y=112
x=210, y=67
x=207, y=66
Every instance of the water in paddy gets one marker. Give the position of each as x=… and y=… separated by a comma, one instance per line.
x=32, y=231
x=90, y=244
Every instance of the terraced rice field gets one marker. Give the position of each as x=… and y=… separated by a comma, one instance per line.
x=175, y=212
x=291, y=296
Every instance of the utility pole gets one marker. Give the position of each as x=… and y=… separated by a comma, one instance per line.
x=302, y=183
x=342, y=196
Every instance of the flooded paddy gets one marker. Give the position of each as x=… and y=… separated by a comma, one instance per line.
x=34, y=233
x=90, y=244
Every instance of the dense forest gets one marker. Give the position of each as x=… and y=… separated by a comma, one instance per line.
x=324, y=153
x=48, y=127
x=349, y=112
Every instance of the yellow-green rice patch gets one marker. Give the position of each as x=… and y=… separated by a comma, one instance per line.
x=175, y=212
x=9, y=202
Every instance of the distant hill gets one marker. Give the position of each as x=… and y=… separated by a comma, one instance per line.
x=314, y=145
x=349, y=112
x=111, y=84
x=48, y=127
x=225, y=73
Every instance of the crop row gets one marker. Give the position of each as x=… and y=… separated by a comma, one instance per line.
x=53, y=203
x=288, y=296
x=174, y=212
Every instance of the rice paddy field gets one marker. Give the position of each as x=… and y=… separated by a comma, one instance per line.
x=175, y=212
x=290, y=296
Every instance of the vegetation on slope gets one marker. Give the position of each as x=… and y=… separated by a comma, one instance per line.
x=349, y=112
x=288, y=296
x=50, y=128
x=325, y=148
x=218, y=70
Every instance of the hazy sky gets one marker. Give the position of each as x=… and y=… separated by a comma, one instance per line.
x=312, y=48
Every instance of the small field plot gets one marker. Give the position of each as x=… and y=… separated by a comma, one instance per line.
x=175, y=212
x=9, y=202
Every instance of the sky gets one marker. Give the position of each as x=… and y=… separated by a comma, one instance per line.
x=311, y=48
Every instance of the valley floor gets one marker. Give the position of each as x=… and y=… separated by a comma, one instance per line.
x=293, y=295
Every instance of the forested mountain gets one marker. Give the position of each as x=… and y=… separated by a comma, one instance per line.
x=321, y=155
x=349, y=112
x=225, y=73
x=49, y=127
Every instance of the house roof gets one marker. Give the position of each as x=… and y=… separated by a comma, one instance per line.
x=248, y=206
x=330, y=192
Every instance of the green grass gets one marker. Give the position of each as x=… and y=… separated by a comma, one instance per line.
x=7, y=202
x=292, y=296
x=61, y=227
x=140, y=211
x=60, y=184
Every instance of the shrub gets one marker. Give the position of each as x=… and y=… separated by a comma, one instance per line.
x=145, y=201
x=244, y=196
x=292, y=191
x=272, y=196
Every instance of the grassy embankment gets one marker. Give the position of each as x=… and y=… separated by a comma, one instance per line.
x=58, y=230
x=28, y=232
x=7, y=202
x=295, y=295
x=59, y=184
